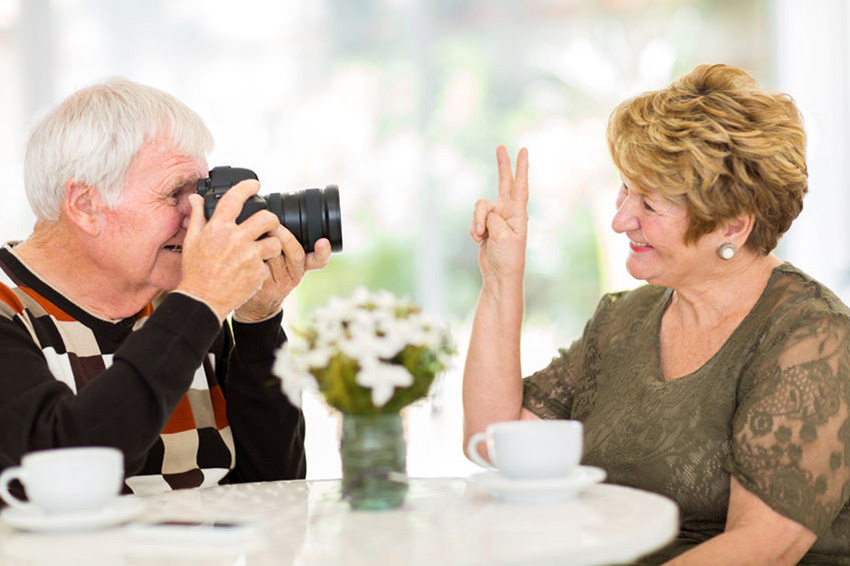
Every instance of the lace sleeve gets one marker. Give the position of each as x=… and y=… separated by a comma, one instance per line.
x=791, y=432
x=549, y=392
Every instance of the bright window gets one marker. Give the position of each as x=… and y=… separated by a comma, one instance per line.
x=402, y=103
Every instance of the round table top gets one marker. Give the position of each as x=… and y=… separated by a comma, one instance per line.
x=445, y=521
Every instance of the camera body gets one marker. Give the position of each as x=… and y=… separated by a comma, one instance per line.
x=310, y=214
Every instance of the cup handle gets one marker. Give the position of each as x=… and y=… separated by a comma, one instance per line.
x=9, y=474
x=472, y=450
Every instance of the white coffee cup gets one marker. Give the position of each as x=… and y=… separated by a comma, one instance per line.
x=530, y=449
x=66, y=480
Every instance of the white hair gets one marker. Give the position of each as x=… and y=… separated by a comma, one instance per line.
x=93, y=136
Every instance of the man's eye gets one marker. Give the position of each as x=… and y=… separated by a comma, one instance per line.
x=177, y=195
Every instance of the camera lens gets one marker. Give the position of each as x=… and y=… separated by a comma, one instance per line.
x=310, y=214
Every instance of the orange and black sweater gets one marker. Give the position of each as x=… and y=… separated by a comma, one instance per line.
x=189, y=402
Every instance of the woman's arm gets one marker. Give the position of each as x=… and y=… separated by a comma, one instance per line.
x=492, y=379
x=755, y=534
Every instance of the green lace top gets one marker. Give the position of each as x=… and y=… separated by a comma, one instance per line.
x=771, y=407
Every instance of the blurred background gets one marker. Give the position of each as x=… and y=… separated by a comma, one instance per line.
x=402, y=104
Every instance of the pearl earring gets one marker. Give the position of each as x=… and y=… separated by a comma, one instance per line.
x=726, y=251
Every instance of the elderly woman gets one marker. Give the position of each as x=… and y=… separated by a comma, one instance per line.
x=724, y=383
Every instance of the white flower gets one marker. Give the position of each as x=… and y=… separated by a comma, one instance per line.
x=370, y=340
x=387, y=301
x=360, y=296
x=369, y=329
x=383, y=378
x=419, y=330
x=295, y=377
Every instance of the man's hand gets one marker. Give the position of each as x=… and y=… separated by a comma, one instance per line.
x=224, y=263
x=285, y=273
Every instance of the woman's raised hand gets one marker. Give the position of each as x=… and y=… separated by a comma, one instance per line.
x=492, y=375
x=500, y=229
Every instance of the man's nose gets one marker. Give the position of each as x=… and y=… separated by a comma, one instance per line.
x=184, y=207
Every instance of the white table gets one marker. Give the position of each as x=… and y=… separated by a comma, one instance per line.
x=443, y=522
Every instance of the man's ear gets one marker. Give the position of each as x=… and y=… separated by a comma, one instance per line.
x=84, y=207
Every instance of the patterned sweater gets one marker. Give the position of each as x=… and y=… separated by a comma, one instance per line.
x=188, y=402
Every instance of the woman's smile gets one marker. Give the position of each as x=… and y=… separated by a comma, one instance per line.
x=639, y=247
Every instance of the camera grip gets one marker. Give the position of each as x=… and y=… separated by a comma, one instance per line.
x=252, y=205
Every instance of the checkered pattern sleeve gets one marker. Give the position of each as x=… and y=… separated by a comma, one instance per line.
x=63, y=384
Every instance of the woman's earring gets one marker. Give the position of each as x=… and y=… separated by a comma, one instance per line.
x=726, y=251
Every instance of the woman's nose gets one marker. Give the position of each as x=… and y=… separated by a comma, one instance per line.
x=625, y=219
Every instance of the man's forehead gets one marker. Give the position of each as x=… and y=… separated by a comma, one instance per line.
x=156, y=154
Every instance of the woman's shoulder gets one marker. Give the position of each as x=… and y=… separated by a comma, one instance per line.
x=797, y=314
x=792, y=296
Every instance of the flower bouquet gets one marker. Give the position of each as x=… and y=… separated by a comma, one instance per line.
x=369, y=356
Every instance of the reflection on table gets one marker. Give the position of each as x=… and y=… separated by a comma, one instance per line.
x=442, y=522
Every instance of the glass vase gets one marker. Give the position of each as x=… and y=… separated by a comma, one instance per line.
x=374, y=461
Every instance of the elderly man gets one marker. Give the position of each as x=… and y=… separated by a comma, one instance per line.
x=182, y=388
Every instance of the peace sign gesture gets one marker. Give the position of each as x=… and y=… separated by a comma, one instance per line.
x=500, y=229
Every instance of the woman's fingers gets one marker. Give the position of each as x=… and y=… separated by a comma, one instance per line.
x=513, y=195
x=506, y=178
x=513, y=190
x=520, y=185
x=500, y=228
x=478, y=228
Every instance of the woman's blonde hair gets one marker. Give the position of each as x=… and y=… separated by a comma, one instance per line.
x=718, y=143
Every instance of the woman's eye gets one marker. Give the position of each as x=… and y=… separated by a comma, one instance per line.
x=648, y=207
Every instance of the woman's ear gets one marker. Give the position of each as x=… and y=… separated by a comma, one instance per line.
x=84, y=207
x=737, y=230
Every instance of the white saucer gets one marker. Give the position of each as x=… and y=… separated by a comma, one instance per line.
x=538, y=490
x=119, y=511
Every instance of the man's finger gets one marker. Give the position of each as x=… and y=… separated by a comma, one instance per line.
x=230, y=205
x=195, y=222
x=260, y=223
x=277, y=268
x=293, y=253
x=320, y=256
x=270, y=248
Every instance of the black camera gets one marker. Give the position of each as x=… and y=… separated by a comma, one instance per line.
x=309, y=214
